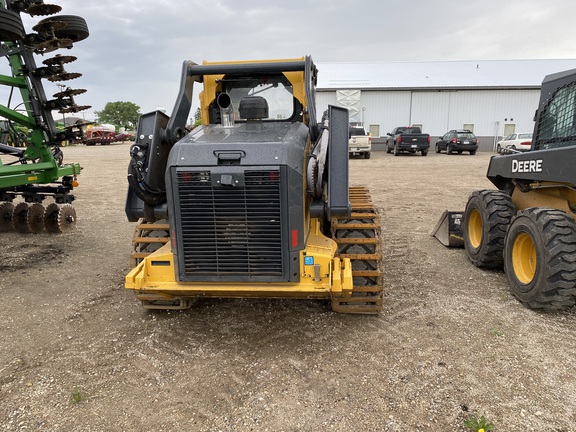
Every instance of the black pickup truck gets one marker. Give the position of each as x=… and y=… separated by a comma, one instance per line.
x=407, y=139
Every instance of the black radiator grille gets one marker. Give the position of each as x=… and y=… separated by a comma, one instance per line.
x=231, y=230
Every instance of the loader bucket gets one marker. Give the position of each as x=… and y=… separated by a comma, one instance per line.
x=448, y=230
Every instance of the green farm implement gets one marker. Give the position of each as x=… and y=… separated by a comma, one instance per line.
x=31, y=161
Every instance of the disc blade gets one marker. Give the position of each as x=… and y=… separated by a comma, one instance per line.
x=66, y=218
x=20, y=217
x=51, y=218
x=6, y=212
x=36, y=218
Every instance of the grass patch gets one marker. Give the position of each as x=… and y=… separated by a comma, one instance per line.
x=497, y=332
x=481, y=425
x=76, y=396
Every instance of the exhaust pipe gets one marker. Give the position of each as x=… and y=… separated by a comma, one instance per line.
x=226, y=112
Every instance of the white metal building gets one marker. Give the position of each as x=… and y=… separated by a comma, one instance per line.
x=491, y=98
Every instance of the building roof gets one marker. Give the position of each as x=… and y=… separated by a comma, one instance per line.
x=480, y=74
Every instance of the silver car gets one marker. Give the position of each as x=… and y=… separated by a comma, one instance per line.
x=515, y=141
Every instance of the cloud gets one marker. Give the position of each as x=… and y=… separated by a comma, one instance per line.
x=136, y=47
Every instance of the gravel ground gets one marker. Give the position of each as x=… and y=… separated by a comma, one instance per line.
x=450, y=343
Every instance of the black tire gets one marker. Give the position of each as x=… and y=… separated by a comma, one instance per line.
x=437, y=148
x=396, y=151
x=11, y=27
x=448, y=149
x=498, y=149
x=472, y=152
x=486, y=220
x=540, y=258
x=424, y=152
x=388, y=149
x=367, y=155
x=76, y=28
x=459, y=151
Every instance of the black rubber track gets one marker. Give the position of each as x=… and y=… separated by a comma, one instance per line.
x=496, y=211
x=553, y=233
x=11, y=27
x=147, y=239
x=358, y=238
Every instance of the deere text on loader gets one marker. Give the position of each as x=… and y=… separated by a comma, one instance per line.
x=255, y=202
x=527, y=225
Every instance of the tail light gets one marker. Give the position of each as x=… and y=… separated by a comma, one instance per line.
x=369, y=140
x=428, y=139
x=454, y=140
x=399, y=139
x=527, y=143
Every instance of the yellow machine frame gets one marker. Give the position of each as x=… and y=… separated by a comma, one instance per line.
x=153, y=280
x=212, y=84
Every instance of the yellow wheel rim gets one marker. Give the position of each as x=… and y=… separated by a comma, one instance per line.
x=475, y=228
x=524, y=258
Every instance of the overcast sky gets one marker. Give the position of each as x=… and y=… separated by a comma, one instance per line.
x=136, y=47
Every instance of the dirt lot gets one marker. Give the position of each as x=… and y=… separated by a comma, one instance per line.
x=451, y=341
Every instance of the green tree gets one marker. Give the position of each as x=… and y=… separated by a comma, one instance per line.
x=119, y=114
x=197, y=118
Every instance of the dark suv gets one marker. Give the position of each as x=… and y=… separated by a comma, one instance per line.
x=458, y=140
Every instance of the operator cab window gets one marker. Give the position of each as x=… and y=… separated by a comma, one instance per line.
x=557, y=125
x=276, y=90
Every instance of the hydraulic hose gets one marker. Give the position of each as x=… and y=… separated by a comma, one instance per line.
x=141, y=189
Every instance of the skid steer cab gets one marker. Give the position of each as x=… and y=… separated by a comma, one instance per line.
x=527, y=226
x=255, y=202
